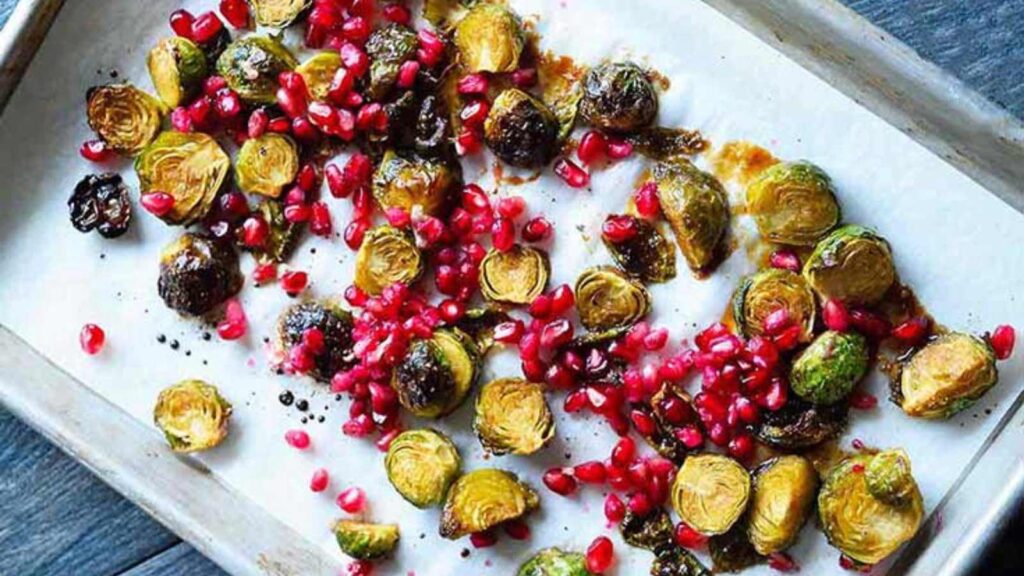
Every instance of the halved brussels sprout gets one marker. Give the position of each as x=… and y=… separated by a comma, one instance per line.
x=784, y=491
x=769, y=290
x=826, y=371
x=697, y=208
x=318, y=73
x=946, y=376
x=521, y=130
x=853, y=265
x=483, y=499
x=619, y=97
x=388, y=47
x=251, y=65
x=513, y=417
x=860, y=525
x=490, y=39
x=192, y=415
x=652, y=531
x=607, y=298
x=793, y=203
x=800, y=424
x=334, y=322
x=421, y=465
x=100, y=202
x=436, y=375
x=710, y=493
x=365, y=541
x=732, y=552
x=479, y=324
x=283, y=234
x=177, y=67
x=410, y=182
x=889, y=477
x=554, y=562
x=197, y=274
x=678, y=561
x=191, y=167
x=124, y=117
x=647, y=255
x=277, y=13
x=387, y=256
x=267, y=164
x=515, y=277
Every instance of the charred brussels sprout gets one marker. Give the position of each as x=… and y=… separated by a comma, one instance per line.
x=652, y=531
x=191, y=167
x=800, y=424
x=732, y=551
x=490, y=39
x=277, y=13
x=826, y=371
x=647, y=255
x=513, y=417
x=710, y=493
x=658, y=143
x=421, y=465
x=619, y=96
x=521, y=130
x=769, y=290
x=124, y=117
x=388, y=47
x=483, y=499
x=177, y=67
x=607, y=298
x=334, y=322
x=946, y=376
x=793, y=203
x=672, y=409
x=889, y=477
x=410, y=182
x=192, y=415
x=514, y=277
x=554, y=562
x=251, y=65
x=784, y=491
x=318, y=73
x=197, y=274
x=853, y=265
x=387, y=256
x=436, y=375
x=696, y=206
x=100, y=202
x=678, y=561
x=365, y=541
x=267, y=164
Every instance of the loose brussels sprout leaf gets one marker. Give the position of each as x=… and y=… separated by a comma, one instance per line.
x=334, y=322
x=647, y=255
x=267, y=164
x=554, y=562
x=197, y=273
x=678, y=561
x=514, y=277
x=663, y=144
x=251, y=65
x=710, y=493
x=479, y=324
x=619, y=97
x=191, y=167
x=607, y=298
x=513, y=417
x=124, y=117
x=192, y=415
x=490, y=39
x=277, y=13
x=100, y=202
x=433, y=135
x=561, y=83
x=889, y=477
x=318, y=73
x=483, y=499
x=800, y=424
x=696, y=206
x=861, y=526
x=769, y=290
x=365, y=541
x=388, y=47
x=436, y=375
x=410, y=182
x=421, y=465
x=793, y=203
x=652, y=531
x=853, y=265
x=784, y=491
x=946, y=376
x=732, y=551
x=177, y=67
x=826, y=371
x=283, y=234
x=387, y=256
x=521, y=130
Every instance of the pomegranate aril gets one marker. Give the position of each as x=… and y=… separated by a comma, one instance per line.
x=559, y=482
x=359, y=568
x=279, y=125
x=912, y=331
x=509, y=332
x=206, y=27
x=264, y=273
x=396, y=13
x=592, y=472
x=157, y=203
x=777, y=321
x=431, y=48
x=236, y=12
x=319, y=481
x=298, y=439
x=556, y=334
x=835, y=315
x=619, y=149
x=355, y=59
x=640, y=504
x=562, y=300
x=646, y=200
x=230, y=329
x=575, y=401
x=96, y=151
x=1002, y=340
x=356, y=29
x=785, y=260
x=571, y=174
x=293, y=282
x=484, y=539
x=871, y=325
x=643, y=422
x=255, y=232
x=91, y=339
x=352, y=500
x=181, y=22
x=690, y=436
x=536, y=229
x=614, y=509
x=503, y=234
x=525, y=77
x=468, y=142
x=689, y=538
x=592, y=146
x=558, y=376
x=517, y=529
x=473, y=84
x=320, y=219
x=741, y=447
x=600, y=555
x=861, y=400
x=181, y=121
x=407, y=74
x=619, y=229
x=354, y=233
x=788, y=338
x=781, y=562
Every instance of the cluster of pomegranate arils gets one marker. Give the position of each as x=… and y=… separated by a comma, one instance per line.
x=593, y=146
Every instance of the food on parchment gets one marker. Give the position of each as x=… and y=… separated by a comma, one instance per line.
x=422, y=464
x=100, y=202
x=192, y=415
x=197, y=274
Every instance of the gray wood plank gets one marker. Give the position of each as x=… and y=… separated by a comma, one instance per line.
x=179, y=560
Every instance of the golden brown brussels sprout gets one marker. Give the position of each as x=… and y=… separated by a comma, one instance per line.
x=387, y=256
x=490, y=39
x=421, y=465
x=436, y=375
x=483, y=499
x=793, y=203
x=889, y=477
x=365, y=541
x=410, y=182
x=800, y=424
x=652, y=531
x=696, y=206
x=619, y=97
x=197, y=273
x=853, y=265
x=267, y=164
x=388, y=47
x=946, y=376
x=826, y=371
x=318, y=73
x=124, y=117
x=769, y=290
x=277, y=13
x=646, y=255
x=784, y=491
x=607, y=298
x=554, y=562
x=514, y=277
x=732, y=552
x=334, y=322
x=100, y=202
x=678, y=561
x=251, y=65
x=521, y=130
x=710, y=493
x=177, y=67
x=861, y=526
x=192, y=415
x=191, y=167
x=513, y=417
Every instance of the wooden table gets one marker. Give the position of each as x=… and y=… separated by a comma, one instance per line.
x=56, y=518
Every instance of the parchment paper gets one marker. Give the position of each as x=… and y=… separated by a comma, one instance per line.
x=959, y=246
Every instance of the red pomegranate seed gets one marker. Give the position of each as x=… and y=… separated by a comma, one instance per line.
x=781, y=562
x=511, y=207
x=352, y=500
x=264, y=273
x=236, y=12
x=473, y=85
x=91, y=339
x=509, y=332
x=640, y=504
x=643, y=422
x=575, y=401
x=558, y=376
x=619, y=149
x=600, y=555
x=525, y=77
x=475, y=200
x=279, y=125
x=614, y=509
x=199, y=111
x=559, y=482
x=1002, y=340
x=474, y=113
x=396, y=13
x=293, y=282
x=181, y=22
x=503, y=234
x=484, y=539
x=861, y=400
x=181, y=121
x=788, y=338
x=258, y=122
x=777, y=321
x=407, y=74
x=384, y=442
x=619, y=229
x=157, y=203
x=319, y=481
x=536, y=229
x=468, y=142
x=354, y=233
x=206, y=27
x=359, y=568
x=431, y=47
x=300, y=359
x=592, y=472
x=689, y=538
x=298, y=439
x=562, y=300
x=320, y=219
x=835, y=315
x=96, y=151
x=646, y=200
x=592, y=146
x=741, y=447
x=571, y=174
x=913, y=330
x=871, y=325
x=212, y=85
x=297, y=213
x=452, y=311
x=355, y=59
x=517, y=529
x=231, y=329
x=690, y=436
x=556, y=334
x=786, y=260
x=255, y=231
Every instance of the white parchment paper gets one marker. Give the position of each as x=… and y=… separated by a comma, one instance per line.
x=958, y=245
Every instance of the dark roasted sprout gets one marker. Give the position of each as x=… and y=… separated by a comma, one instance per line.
x=947, y=375
x=421, y=465
x=483, y=499
x=853, y=265
x=800, y=424
x=365, y=541
x=554, y=562
x=479, y=324
x=197, y=274
x=515, y=276
x=318, y=73
x=826, y=371
x=192, y=415
x=124, y=117
x=678, y=561
x=652, y=531
x=793, y=203
x=513, y=417
x=191, y=167
x=619, y=97
x=672, y=409
x=388, y=47
x=490, y=38
x=437, y=374
x=696, y=206
x=387, y=256
x=659, y=143
x=647, y=255
x=784, y=492
x=277, y=13
x=732, y=552
x=767, y=291
x=521, y=130
x=177, y=67
x=100, y=202
x=710, y=493
x=251, y=66
x=607, y=299
x=407, y=183
x=267, y=164
x=334, y=322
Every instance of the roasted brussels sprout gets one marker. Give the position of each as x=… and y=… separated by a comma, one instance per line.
x=696, y=206
x=732, y=551
x=515, y=277
x=710, y=493
x=826, y=371
x=853, y=265
x=388, y=47
x=100, y=202
x=766, y=292
x=619, y=97
x=521, y=130
x=647, y=255
x=793, y=203
x=410, y=182
x=490, y=39
x=251, y=65
x=554, y=562
x=678, y=561
x=479, y=324
x=513, y=417
x=334, y=322
x=672, y=409
x=483, y=499
x=800, y=424
x=124, y=117
x=191, y=167
x=863, y=527
x=365, y=541
x=421, y=465
x=177, y=67
x=387, y=256
x=318, y=73
x=267, y=164
x=192, y=415
x=197, y=274
x=784, y=491
x=889, y=477
x=661, y=144
x=652, y=531
x=436, y=374
x=277, y=13
x=607, y=298
x=283, y=234
x=946, y=376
